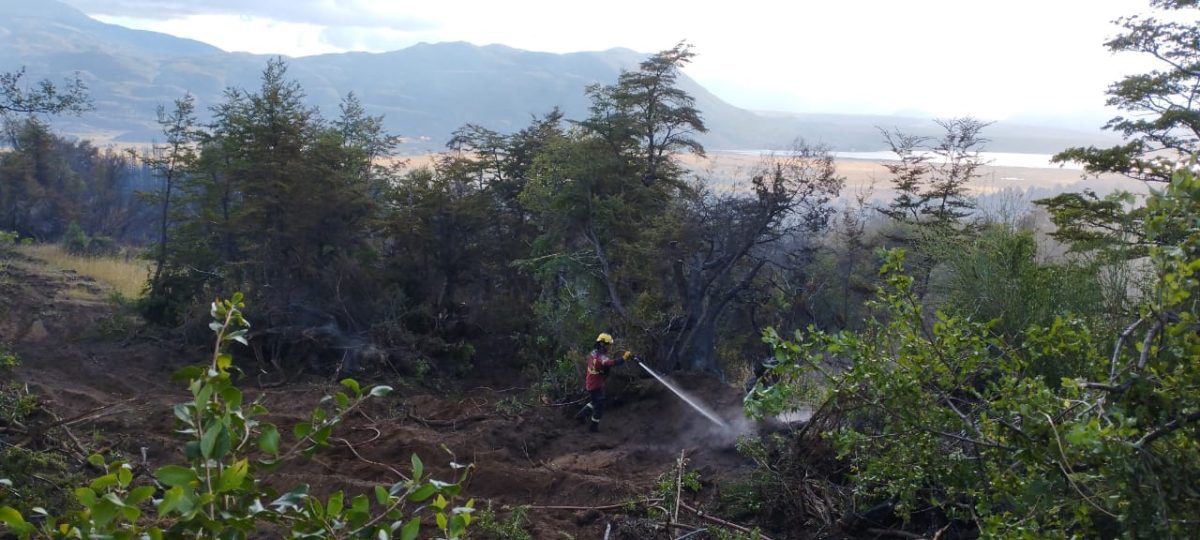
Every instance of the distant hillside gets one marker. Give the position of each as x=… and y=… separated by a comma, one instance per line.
x=425, y=91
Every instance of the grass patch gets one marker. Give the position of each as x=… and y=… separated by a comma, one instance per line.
x=126, y=275
x=80, y=293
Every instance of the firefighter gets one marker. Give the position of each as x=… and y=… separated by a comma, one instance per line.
x=598, y=365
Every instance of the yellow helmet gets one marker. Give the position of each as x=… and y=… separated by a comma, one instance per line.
x=605, y=338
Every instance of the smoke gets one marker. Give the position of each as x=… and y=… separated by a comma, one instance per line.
x=795, y=417
x=728, y=423
x=723, y=428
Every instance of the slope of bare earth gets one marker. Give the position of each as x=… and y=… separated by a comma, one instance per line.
x=116, y=386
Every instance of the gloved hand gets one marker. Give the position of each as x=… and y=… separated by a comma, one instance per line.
x=626, y=356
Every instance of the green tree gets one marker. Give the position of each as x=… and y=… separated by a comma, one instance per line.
x=202, y=233
x=1088, y=222
x=647, y=116
x=958, y=160
x=1055, y=432
x=45, y=97
x=170, y=162
x=728, y=239
x=1162, y=126
x=1164, y=121
x=998, y=275
x=843, y=269
x=593, y=220
x=41, y=192
x=440, y=220
x=501, y=165
x=265, y=135
x=285, y=204
x=111, y=207
x=908, y=175
x=605, y=196
x=931, y=175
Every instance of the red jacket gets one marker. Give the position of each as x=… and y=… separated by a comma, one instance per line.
x=596, y=370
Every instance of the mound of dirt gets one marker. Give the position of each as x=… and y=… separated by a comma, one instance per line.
x=523, y=454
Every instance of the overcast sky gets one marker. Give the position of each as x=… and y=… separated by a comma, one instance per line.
x=992, y=59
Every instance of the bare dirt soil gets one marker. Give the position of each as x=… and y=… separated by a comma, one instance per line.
x=82, y=360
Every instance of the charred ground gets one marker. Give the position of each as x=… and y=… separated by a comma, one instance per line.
x=109, y=385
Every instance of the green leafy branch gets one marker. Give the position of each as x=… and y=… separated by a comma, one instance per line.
x=219, y=491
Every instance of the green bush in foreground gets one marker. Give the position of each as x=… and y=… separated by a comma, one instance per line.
x=490, y=526
x=944, y=415
x=219, y=491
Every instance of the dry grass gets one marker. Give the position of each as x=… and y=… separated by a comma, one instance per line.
x=126, y=276
x=80, y=293
x=860, y=173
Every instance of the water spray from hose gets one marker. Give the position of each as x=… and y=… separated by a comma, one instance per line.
x=687, y=399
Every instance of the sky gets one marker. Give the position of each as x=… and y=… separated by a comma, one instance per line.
x=998, y=60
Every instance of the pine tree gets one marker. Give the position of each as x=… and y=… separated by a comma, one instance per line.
x=171, y=161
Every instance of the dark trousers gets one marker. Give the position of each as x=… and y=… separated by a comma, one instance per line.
x=594, y=408
x=597, y=404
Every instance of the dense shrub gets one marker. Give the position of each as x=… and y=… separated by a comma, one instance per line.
x=942, y=412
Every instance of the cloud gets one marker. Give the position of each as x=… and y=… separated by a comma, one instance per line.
x=950, y=57
x=358, y=38
x=361, y=13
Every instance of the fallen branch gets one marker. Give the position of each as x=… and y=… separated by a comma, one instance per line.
x=813, y=416
x=49, y=482
x=366, y=417
x=271, y=384
x=604, y=507
x=567, y=404
x=500, y=391
x=378, y=434
x=683, y=526
x=85, y=415
x=83, y=451
x=365, y=460
x=448, y=423
x=718, y=521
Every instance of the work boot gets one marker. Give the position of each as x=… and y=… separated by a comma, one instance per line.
x=595, y=426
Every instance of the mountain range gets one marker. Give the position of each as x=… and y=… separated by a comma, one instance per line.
x=424, y=91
